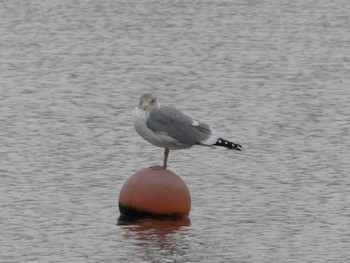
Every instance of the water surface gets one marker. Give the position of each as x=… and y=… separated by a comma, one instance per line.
x=273, y=76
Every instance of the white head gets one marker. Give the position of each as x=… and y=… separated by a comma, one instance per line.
x=148, y=102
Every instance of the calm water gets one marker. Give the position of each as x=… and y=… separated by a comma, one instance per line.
x=271, y=75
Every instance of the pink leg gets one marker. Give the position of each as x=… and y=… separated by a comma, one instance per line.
x=165, y=161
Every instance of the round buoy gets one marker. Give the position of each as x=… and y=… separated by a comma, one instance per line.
x=154, y=193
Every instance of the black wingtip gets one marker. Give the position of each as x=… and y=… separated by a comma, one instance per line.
x=228, y=144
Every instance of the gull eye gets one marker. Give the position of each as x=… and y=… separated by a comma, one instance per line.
x=153, y=101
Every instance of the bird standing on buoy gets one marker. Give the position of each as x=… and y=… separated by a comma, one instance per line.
x=170, y=129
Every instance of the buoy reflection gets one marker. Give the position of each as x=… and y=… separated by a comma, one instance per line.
x=153, y=240
x=157, y=227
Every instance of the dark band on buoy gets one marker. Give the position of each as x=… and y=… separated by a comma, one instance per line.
x=132, y=213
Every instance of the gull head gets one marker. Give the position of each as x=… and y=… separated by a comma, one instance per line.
x=148, y=102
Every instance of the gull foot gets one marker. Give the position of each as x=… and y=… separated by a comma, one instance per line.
x=158, y=167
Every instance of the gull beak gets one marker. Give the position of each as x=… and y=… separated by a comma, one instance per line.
x=144, y=105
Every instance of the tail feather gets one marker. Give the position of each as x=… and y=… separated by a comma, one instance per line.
x=228, y=144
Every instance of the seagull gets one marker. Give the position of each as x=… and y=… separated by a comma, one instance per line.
x=169, y=128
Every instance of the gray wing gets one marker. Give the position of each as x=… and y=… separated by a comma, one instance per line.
x=171, y=122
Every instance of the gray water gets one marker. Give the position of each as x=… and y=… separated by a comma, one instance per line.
x=271, y=75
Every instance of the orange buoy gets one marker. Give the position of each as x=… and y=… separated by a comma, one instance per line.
x=154, y=193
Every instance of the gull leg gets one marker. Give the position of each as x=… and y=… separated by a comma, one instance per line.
x=165, y=161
